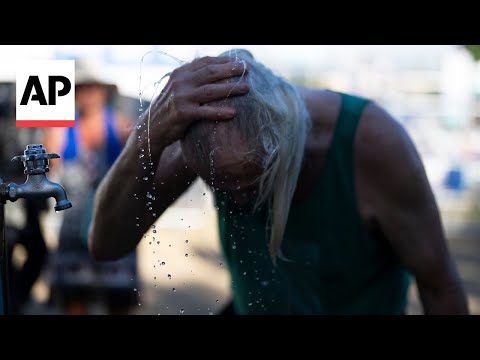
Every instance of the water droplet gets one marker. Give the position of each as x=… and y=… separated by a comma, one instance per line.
x=145, y=178
x=186, y=255
x=250, y=304
x=182, y=311
x=169, y=276
x=163, y=262
x=141, y=156
x=234, y=247
x=186, y=241
x=173, y=289
x=217, y=300
x=154, y=231
x=221, y=264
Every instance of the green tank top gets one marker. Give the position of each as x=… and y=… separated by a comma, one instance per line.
x=335, y=266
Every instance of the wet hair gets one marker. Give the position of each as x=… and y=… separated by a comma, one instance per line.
x=274, y=122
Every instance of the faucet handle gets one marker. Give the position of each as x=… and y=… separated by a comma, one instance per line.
x=52, y=156
x=35, y=159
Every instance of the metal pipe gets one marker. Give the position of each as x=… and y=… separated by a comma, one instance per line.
x=4, y=283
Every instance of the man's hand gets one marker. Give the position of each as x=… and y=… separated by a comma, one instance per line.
x=187, y=95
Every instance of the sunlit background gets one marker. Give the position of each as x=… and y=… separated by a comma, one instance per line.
x=433, y=91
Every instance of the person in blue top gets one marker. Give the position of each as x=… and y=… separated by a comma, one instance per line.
x=86, y=153
x=324, y=206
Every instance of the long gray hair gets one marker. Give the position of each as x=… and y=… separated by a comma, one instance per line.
x=274, y=122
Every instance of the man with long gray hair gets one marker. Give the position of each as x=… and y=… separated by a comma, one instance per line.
x=321, y=194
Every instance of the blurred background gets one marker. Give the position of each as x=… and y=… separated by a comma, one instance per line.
x=432, y=90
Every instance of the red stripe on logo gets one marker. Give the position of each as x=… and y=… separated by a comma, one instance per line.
x=45, y=123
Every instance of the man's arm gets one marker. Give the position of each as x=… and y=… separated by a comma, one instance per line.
x=121, y=213
x=398, y=195
x=121, y=210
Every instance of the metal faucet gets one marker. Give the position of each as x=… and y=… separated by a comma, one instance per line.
x=35, y=160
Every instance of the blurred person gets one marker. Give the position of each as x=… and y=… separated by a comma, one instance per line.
x=86, y=152
x=324, y=206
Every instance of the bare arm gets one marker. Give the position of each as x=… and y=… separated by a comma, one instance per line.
x=402, y=202
x=119, y=219
x=121, y=210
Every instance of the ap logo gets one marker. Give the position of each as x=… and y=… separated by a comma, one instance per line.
x=45, y=93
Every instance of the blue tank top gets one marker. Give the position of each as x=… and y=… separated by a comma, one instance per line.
x=113, y=143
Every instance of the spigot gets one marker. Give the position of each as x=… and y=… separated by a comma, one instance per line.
x=35, y=160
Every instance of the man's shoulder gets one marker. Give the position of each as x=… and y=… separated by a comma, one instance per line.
x=378, y=130
x=382, y=145
x=387, y=161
